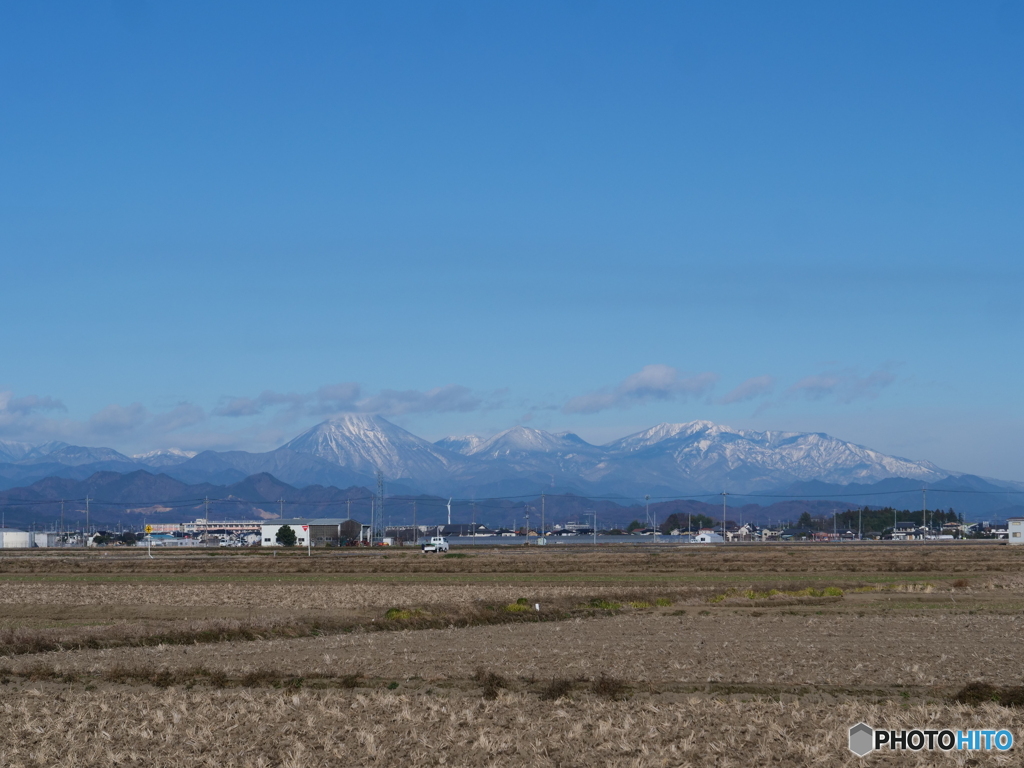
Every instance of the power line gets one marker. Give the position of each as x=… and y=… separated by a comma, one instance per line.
x=490, y=503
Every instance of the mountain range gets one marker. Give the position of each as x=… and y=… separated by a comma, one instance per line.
x=693, y=458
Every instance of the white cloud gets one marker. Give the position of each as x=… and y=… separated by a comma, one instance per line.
x=844, y=386
x=181, y=416
x=20, y=419
x=749, y=389
x=345, y=397
x=650, y=383
x=118, y=419
x=328, y=399
x=448, y=399
x=29, y=403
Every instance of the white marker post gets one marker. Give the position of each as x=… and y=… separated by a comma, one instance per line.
x=309, y=541
x=149, y=541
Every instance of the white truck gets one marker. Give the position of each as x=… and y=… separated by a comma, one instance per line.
x=436, y=544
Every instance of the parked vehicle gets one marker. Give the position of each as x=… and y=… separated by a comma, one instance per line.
x=436, y=544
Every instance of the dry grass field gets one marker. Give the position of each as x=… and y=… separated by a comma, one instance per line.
x=724, y=656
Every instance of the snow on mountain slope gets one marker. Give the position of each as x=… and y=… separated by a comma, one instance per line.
x=165, y=457
x=688, y=458
x=524, y=440
x=367, y=443
x=662, y=432
x=38, y=451
x=709, y=453
x=464, y=444
x=12, y=451
x=522, y=458
x=77, y=455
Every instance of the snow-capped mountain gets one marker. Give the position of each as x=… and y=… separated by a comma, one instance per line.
x=717, y=456
x=521, y=458
x=691, y=458
x=75, y=455
x=366, y=443
x=464, y=444
x=165, y=457
x=520, y=442
x=13, y=451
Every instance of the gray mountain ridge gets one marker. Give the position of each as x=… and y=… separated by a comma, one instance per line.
x=697, y=457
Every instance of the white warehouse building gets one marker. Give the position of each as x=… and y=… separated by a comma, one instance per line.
x=1015, y=530
x=12, y=538
x=316, y=532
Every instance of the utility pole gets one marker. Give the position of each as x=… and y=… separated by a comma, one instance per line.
x=415, y=530
x=924, y=510
x=348, y=509
x=62, y=520
x=543, y=528
x=380, y=502
x=526, y=509
x=87, y=514
x=281, y=507
x=474, y=518
x=835, y=533
x=860, y=524
x=449, y=512
x=373, y=509
x=724, y=494
x=595, y=528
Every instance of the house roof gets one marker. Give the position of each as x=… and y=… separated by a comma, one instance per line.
x=332, y=521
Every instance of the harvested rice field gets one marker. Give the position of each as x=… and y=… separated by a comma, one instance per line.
x=633, y=656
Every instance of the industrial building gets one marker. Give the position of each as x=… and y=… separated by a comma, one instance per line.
x=316, y=532
x=13, y=538
x=46, y=538
x=1015, y=530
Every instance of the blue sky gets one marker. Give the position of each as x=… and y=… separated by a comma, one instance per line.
x=221, y=222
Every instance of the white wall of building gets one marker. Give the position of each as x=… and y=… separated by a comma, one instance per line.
x=1015, y=527
x=13, y=539
x=707, y=538
x=268, y=532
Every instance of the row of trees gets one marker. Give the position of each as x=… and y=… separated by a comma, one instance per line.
x=880, y=520
x=866, y=519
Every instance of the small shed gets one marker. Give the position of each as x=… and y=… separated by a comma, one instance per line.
x=707, y=538
x=46, y=539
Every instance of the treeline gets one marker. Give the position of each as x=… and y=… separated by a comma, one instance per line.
x=865, y=519
x=681, y=521
x=880, y=520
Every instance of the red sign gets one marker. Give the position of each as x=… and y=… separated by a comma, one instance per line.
x=305, y=527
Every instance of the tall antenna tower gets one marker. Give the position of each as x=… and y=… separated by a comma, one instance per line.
x=378, y=520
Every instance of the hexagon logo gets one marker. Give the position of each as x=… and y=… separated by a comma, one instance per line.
x=862, y=738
